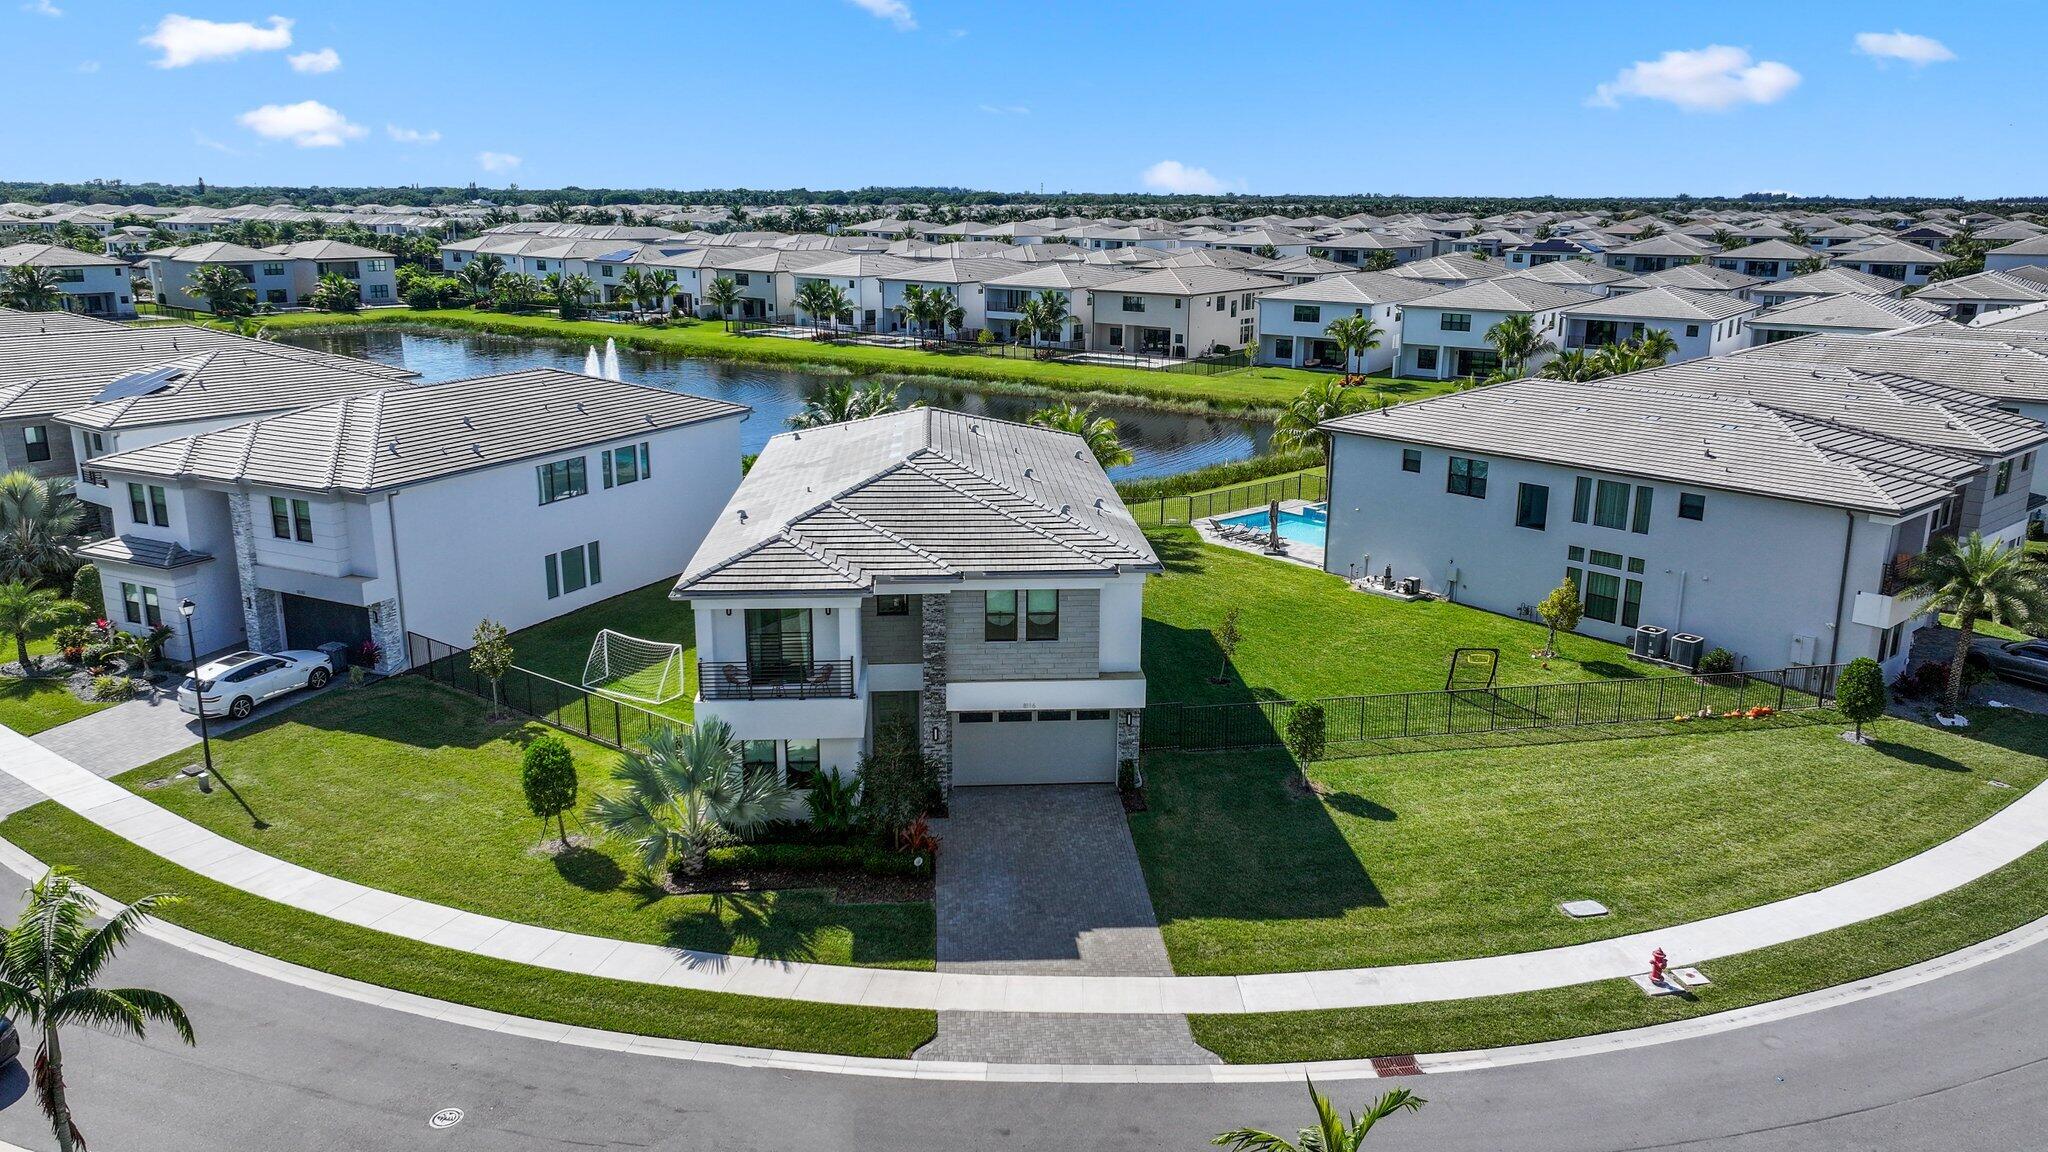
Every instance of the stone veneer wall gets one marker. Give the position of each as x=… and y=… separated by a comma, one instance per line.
x=262, y=610
x=389, y=634
x=931, y=702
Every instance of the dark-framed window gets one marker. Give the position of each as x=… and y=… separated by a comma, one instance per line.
x=1425, y=359
x=572, y=569
x=159, y=507
x=280, y=518
x=1411, y=459
x=623, y=466
x=999, y=616
x=800, y=762
x=2004, y=483
x=139, y=604
x=1610, y=504
x=892, y=605
x=1532, y=506
x=562, y=479
x=1692, y=506
x=138, y=503
x=1308, y=314
x=1640, y=524
x=1042, y=614
x=1605, y=559
x=36, y=441
x=1582, y=499
x=1631, y=603
x=1603, y=596
x=1467, y=477
x=758, y=756
x=1454, y=321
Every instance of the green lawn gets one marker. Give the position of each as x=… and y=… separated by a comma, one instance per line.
x=2006, y=899
x=1451, y=853
x=406, y=786
x=32, y=706
x=122, y=870
x=561, y=646
x=1307, y=634
x=1301, y=484
x=1253, y=388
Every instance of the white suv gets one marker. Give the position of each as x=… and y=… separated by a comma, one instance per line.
x=234, y=685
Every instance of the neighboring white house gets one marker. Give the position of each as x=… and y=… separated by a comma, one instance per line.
x=1444, y=335
x=1671, y=250
x=1452, y=271
x=962, y=278
x=1700, y=323
x=1691, y=277
x=1826, y=282
x=1293, y=320
x=971, y=584
x=87, y=283
x=367, y=268
x=2018, y=254
x=270, y=275
x=1765, y=260
x=1849, y=313
x=1897, y=261
x=419, y=509
x=1182, y=311
x=1073, y=282
x=1967, y=297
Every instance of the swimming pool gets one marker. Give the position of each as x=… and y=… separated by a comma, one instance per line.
x=1304, y=526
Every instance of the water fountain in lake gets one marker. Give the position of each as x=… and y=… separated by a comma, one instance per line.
x=590, y=367
x=611, y=358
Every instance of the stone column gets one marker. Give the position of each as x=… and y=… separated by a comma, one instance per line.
x=262, y=610
x=931, y=700
x=389, y=635
x=1127, y=742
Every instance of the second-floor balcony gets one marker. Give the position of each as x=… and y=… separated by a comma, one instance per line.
x=776, y=680
x=92, y=476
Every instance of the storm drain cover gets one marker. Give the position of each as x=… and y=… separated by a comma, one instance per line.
x=1583, y=909
x=445, y=1118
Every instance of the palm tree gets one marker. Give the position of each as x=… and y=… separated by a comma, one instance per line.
x=140, y=649
x=1516, y=341
x=1332, y=1133
x=1355, y=335
x=1619, y=359
x=226, y=291
x=1975, y=580
x=632, y=287
x=1045, y=313
x=515, y=289
x=1300, y=423
x=723, y=295
x=1571, y=364
x=31, y=288
x=1655, y=346
x=570, y=292
x=1813, y=263
x=28, y=613
x=48, y=963
x=840, y=401
x=684, y=794
x=819, y=300
x=1098, y=431
x=661, y=285
x=336, y=293
x=39, y=522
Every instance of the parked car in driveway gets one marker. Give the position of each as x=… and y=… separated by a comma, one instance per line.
x=2021, y=661
x=234, y=685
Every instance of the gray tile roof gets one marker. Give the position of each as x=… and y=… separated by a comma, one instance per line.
x=1952, y=355
x=1508, y=294
x=17, y=323
x=920, y=495
x=1848, y=311
x=55, y=256
x=327, y=250
x=165, y=554
x=1985, y=286
x=1722, y=442
x=1894, y=252
x=1456, y=266
x=1353, y=288
x=398, y=436
x=1585, y=273
x=1765, y=250
x=1189, y=280
x=1833, y=282
x=1666, y=304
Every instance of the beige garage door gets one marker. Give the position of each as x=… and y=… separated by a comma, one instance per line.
x=1034, y=748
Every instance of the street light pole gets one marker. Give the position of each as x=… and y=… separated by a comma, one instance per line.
x=185, y=609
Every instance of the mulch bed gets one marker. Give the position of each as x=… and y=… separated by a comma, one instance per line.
x=847, y=887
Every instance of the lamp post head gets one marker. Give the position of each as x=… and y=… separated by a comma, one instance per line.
x=186, y=608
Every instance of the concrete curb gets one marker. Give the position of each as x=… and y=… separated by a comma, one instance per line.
x=2025, y=936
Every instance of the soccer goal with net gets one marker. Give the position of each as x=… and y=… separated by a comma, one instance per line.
x=649, y=671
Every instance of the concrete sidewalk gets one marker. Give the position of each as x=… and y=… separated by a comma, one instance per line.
x=2017, y=829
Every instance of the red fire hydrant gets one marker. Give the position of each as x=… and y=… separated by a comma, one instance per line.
x=1657, y=962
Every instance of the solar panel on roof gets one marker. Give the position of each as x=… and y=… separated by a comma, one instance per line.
x=148, y=381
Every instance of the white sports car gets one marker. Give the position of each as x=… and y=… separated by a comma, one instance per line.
x=233, y=686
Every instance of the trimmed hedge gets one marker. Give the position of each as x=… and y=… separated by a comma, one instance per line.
x=817, y=858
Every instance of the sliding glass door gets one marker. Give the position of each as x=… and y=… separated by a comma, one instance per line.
x=778, y=644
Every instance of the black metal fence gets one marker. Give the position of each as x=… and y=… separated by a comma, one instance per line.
x=591, y=715
x=778, y=680
x=969, y=341
x=1309, y=486
x=1472, y=711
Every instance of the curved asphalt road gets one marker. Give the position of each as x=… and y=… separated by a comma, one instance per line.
x=1957, y=1063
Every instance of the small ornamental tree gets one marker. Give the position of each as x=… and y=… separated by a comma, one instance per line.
x=1227, y=637
x=1860, y=693
x=1560, y=609
x=548, y=774
x=1307, y=734
x=85, y=587
x=490, y=656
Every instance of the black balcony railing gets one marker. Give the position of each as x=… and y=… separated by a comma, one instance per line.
x=779, y=680
x=93, y=477
x=1897, y=575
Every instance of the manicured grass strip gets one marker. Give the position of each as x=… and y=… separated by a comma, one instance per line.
x=123, y=871
x=1249, y=388
x=2013, y=896
x=1307, y=634
x=32, y=706
x=410, y=787
x=560, y=647
x=1448, y=854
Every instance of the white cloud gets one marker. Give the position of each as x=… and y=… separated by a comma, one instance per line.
x=1174, y=176
x=42, y=8
x=1919, y=51
x=1005, y=109
x=894, y=11
x=185, y=40
x=88, y=66
x=1708, y=80
x=412, y=135
x=308, y=124
x=497, y=161
x=314, y=63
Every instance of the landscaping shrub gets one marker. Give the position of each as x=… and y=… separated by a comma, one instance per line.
x=816, y=858
x=548, y=774
x=1307, y=732
x=1718, y=667
x=72, y=640
x=897, y=784
x=113, y=689
x=85, y=587
x=835, y=805
x=1860, y=694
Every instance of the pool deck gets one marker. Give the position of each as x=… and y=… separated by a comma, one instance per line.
x=1307, y=555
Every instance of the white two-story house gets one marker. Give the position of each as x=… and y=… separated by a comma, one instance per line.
x=1699, y=323
x=1444, y=335
x=87, y=282
x=369, y=270
x=417, y=509
x=1190, y=310
x=972, y=585
x=1294, y=321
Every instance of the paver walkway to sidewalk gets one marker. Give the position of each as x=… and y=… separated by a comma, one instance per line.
x=2010, y=833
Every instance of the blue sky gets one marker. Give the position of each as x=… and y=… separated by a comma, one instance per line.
x=1270, y=96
